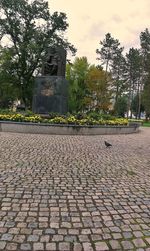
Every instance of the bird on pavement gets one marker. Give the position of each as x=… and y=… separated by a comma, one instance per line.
x=107, y=144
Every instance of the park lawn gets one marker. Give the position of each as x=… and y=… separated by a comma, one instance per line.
x=146, y=124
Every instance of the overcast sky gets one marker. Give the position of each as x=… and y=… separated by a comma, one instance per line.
x=90, y=20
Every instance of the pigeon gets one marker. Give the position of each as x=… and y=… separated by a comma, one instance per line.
x=107, y=144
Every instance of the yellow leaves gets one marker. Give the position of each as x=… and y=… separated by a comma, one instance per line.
x=98, y=85
x=57, y=120
x=20, y=118
x=95, y=74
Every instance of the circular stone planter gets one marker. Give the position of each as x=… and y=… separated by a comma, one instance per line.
x=42, y=128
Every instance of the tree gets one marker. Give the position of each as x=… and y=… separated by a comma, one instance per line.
x=118, y=74
x=99, y=91
x=88, y=88
x=146, y=97
x=76, y=74
x=111, y=56
x=135, y=105
x=145, y=51
x=110, y=47
x=121, y=106
x=8, y=87
x=31, y=29
x=134, y=78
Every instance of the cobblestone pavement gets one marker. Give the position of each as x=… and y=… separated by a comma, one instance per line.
x=72, y=193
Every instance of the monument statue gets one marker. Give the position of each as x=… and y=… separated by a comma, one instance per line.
x=55, y=63
x=51, y=88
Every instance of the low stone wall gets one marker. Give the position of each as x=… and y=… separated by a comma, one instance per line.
x=24, y=127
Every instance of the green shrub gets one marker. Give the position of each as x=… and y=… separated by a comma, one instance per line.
x=108, y=117
x=6, y=111
x=80, y=115
x=94, y=115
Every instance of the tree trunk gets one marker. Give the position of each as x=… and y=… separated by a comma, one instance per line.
x=129, y=102
x=23, y=93
x=139, y=102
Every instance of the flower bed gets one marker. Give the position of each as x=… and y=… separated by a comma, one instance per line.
x=64, y=125
x=70, y=120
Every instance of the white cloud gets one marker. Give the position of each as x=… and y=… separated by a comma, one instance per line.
x=89, y=21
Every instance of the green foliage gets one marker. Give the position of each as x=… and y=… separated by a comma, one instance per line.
x=94, y=115
x=134, y=79
x=134, y=66
x=121, y=106
x=146, y=97
x=88, y=88
x=99, y=91
x=109, y=50
x=145, y=50
x=6, y=111
x=76, y=74
x=8, y=87
x=7, y=94
x=146, y=124
x=52, y=115
x=31, y=29
x=111, y=56
x=135, y=105
x=80, y=115
x=102, y=116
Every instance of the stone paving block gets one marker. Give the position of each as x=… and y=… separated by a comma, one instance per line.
x=73, y=231
x=2, y=245
x=6, y=237
x=50, y=231
x=148, y=240
x=117, y=236
x=38, y=246
x=51, y=246
x=127, y=245
x=87, y=246
x=83, y=238
x=19, y=238
x=137, y=234
x=114, y=244
x=101, y=246
x=86, y=231
x=70, y=238
x=10, y=224
x=44, y=238
x=146, y=233
x=3, y=230
x=33, y=238
x=139, y=243
x=25, y=246
x=70, y=190
x=64, y=246
x=127, y=235
x=57, y=238
x=96, y=237
x=11, y=246
x=77, y=247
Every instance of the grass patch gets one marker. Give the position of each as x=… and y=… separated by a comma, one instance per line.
x=146, y=124
x=131, y=172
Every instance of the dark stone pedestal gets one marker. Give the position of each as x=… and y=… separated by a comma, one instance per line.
x=50, y=95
